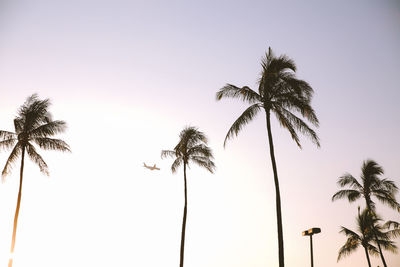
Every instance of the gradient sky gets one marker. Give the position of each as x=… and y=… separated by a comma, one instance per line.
x=127, y=76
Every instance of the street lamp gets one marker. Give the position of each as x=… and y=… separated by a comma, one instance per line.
x=310, y=232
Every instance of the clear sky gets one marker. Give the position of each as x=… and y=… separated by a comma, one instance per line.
x=127, y=76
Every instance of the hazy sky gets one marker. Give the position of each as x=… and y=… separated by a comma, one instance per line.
x=127, y=76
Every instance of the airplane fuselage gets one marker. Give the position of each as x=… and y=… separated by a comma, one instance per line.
x=152, y=168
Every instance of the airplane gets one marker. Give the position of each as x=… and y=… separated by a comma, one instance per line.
x=151, y=168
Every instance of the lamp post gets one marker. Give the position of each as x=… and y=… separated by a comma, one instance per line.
x=310, y=232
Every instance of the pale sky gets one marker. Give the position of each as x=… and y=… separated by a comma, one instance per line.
x=127, y=76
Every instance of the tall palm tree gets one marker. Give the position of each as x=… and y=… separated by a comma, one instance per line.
x=371, y=185
x=33, y=124
x=368, y=228
x=281, y=93
x=192, y=147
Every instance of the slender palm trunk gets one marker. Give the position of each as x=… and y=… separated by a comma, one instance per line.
x=10, y=262
x=375, y=237
x=366, y=254
x=184, y=221
x=278, y=196
x=380, y=249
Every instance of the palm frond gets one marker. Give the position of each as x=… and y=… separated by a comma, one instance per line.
x=52, y=144
x=190, y=136
x=48, y=129
x=372, y=249
x=392, y=224
x=389, y=186
x=370, y=170
x=388, y=245
x=36, y=158
x=7, y=135
x=388, y=200
x=18, y=125
x=168, y=153
x=176, y=164
x=6, y=144
x=289, y=101
x=273, y=71
x=350, y=194
x=349, y=233
x=200, y=150
x=269, y=56
x=272, y=64
x=244, y=119
x=245, y=94
x=34, y=112
x=11, y=160
x=285, y=123
x=300, y=125
x=204, y=162
x=301, y=88
x=393, y=229
x=348, y=179
x=349, y=247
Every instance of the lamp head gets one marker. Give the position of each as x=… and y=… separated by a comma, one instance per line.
x=312, y=231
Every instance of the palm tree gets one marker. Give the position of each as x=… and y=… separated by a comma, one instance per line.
x=369, y=231
x=192, y=147
x=281, y=93
x=370, y=186
x=33, y=124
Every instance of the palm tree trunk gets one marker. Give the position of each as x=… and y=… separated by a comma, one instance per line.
x=184, y=220
x=366, y=254
x=375, y=237
x=380, y=249
x=277, y=193
x=10, y=262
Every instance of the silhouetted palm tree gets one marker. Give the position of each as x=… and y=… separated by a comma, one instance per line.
x=368, y=228
x=281, y=93
x=370, y=186
x=33, y=124
x=192, y=147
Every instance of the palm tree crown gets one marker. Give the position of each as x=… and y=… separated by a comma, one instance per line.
x=192, y=147
x=371, y=185
x=32, y=125
x=280, y=92
x=368, y=228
